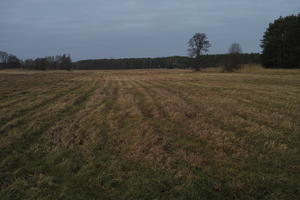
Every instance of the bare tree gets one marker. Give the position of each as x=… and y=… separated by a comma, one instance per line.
x=3, y=57
x=198, y=44
x=235, y=48
x=234, y=59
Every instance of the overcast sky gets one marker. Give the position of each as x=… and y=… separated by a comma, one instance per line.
x=133, y=28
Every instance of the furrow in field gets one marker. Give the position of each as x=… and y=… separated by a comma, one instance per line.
x=153, y=137
x=40, y=121
x=231, y=103
x=206, y=108
x=30, y=150
x=142, y=140
x=11, y=118
x=267, y=103
x=77, y=130
x=118, y=112
x=130, y=126
x=101, y=129
x=26, y=95
x=238, y=148
x=18, y=86
x=25, y=102
x=187, y=140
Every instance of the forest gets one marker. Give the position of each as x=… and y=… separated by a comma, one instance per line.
x=280, y=49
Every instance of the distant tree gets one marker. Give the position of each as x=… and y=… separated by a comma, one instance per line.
x=234, y=58
x=198, y=44
x=66, y=62
x=281, y=43
x=13, y=61
x=235, y=48
x=59, y=62
x=29, y=64
x=41, y=63
x=3, y=57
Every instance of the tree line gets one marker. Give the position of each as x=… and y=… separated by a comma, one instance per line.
x=59, y=62
x=280, y=44
x=64, y=62
x=9, y=61
x=165, y=62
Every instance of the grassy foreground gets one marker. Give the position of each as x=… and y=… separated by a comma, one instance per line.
x=150, y=134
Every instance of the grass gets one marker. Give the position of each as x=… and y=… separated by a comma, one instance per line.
x=150, y=134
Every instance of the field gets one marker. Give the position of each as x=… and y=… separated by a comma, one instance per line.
x=150, y=134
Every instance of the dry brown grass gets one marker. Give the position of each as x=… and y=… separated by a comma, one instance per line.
x=237, y=133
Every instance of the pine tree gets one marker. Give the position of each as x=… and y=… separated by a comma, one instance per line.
x=281, y=43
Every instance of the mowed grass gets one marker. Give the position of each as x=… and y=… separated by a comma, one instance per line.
x=150, y=134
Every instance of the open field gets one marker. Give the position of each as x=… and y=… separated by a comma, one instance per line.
x=150, y=134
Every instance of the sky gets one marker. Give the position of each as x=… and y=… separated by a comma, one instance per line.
x=89, y=29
